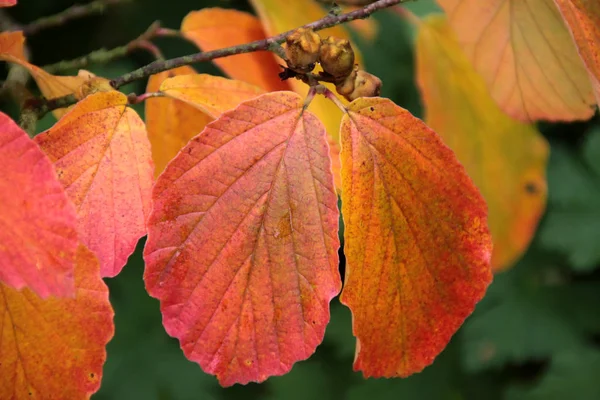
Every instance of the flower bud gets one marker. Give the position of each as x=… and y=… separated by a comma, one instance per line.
x=302, y=50
x=363, y=85
x=336, y=57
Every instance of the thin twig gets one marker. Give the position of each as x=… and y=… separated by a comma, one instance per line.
x=74, y=12
x=103, y=56
x=258, y=45
x=264, y=44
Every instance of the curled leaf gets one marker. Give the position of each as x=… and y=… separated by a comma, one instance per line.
x=103, y=159
x=526, y=56
x=416, y=240
x=505, y=158
x=55, y=348
x=242, y=241
x=38, y=231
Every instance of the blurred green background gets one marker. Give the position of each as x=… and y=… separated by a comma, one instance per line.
x=536, y=335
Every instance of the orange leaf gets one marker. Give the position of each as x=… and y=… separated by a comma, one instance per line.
x=55, y=348
x=526, y=56
x=215, y=28
x=12, y=43
x=38, y=235
x=505, y=158
x=50, y=85
x=7, y=3
x=416, y=240
x=102, y=155
x=171, y=123
x=212, y=94
x=242, y=241
x=583, y=19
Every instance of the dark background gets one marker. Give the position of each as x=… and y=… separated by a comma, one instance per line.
x=536, y=335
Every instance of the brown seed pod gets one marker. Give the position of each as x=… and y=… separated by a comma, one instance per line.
x=302, y=49
x=336, y=57
x=346, y=85
x=363, y=85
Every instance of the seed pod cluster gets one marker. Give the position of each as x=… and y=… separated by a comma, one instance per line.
x=304, y=48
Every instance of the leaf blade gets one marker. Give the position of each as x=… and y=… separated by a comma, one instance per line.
x=256, y=246
x=103, y=158
x=396, y=172
x=55, y=348
x=38, y=238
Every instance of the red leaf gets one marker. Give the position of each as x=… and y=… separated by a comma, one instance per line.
x=242, y=241
x=7, y=3
x=55, y=348
x=102, y=155
x=417, y=244
x=38, y=235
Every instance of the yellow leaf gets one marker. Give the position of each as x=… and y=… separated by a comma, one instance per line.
x=171, y=123
x=505, y=158
x=211, y=94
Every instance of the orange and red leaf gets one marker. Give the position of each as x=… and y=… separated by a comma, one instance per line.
x=416, y=240
x=38, y=226
x=102, y=155
x=242, y=241
x=55, y=348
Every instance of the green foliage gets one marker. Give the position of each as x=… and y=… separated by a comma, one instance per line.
x=573, y=223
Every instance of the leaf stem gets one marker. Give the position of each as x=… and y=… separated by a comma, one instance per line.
x=103, y=56
x=74, y=12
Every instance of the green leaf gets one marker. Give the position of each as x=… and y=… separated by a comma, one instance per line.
x=572, y=375
x=529, y=313
x=572, y=225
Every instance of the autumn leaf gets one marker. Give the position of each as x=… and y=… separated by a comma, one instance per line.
x=12, y=43
x=170, y=122
x=102, y=155
x=505, y=158
x=51, y=86
x=211, y=94
x=216, y=28
x=55, y=348
x=367, y=28
x=7, y=3
x=416, y=240
x=38, y=231
x=526, y=55
x=242, y=241
x=583, y=19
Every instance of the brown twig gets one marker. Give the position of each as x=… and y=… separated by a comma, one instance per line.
x=74, y=12
x=270, y=44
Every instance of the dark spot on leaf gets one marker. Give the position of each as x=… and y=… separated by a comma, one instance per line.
x=372, y=108
x=531, y=188
x=92, y=375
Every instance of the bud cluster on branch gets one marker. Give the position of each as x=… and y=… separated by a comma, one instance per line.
x=304, y=48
